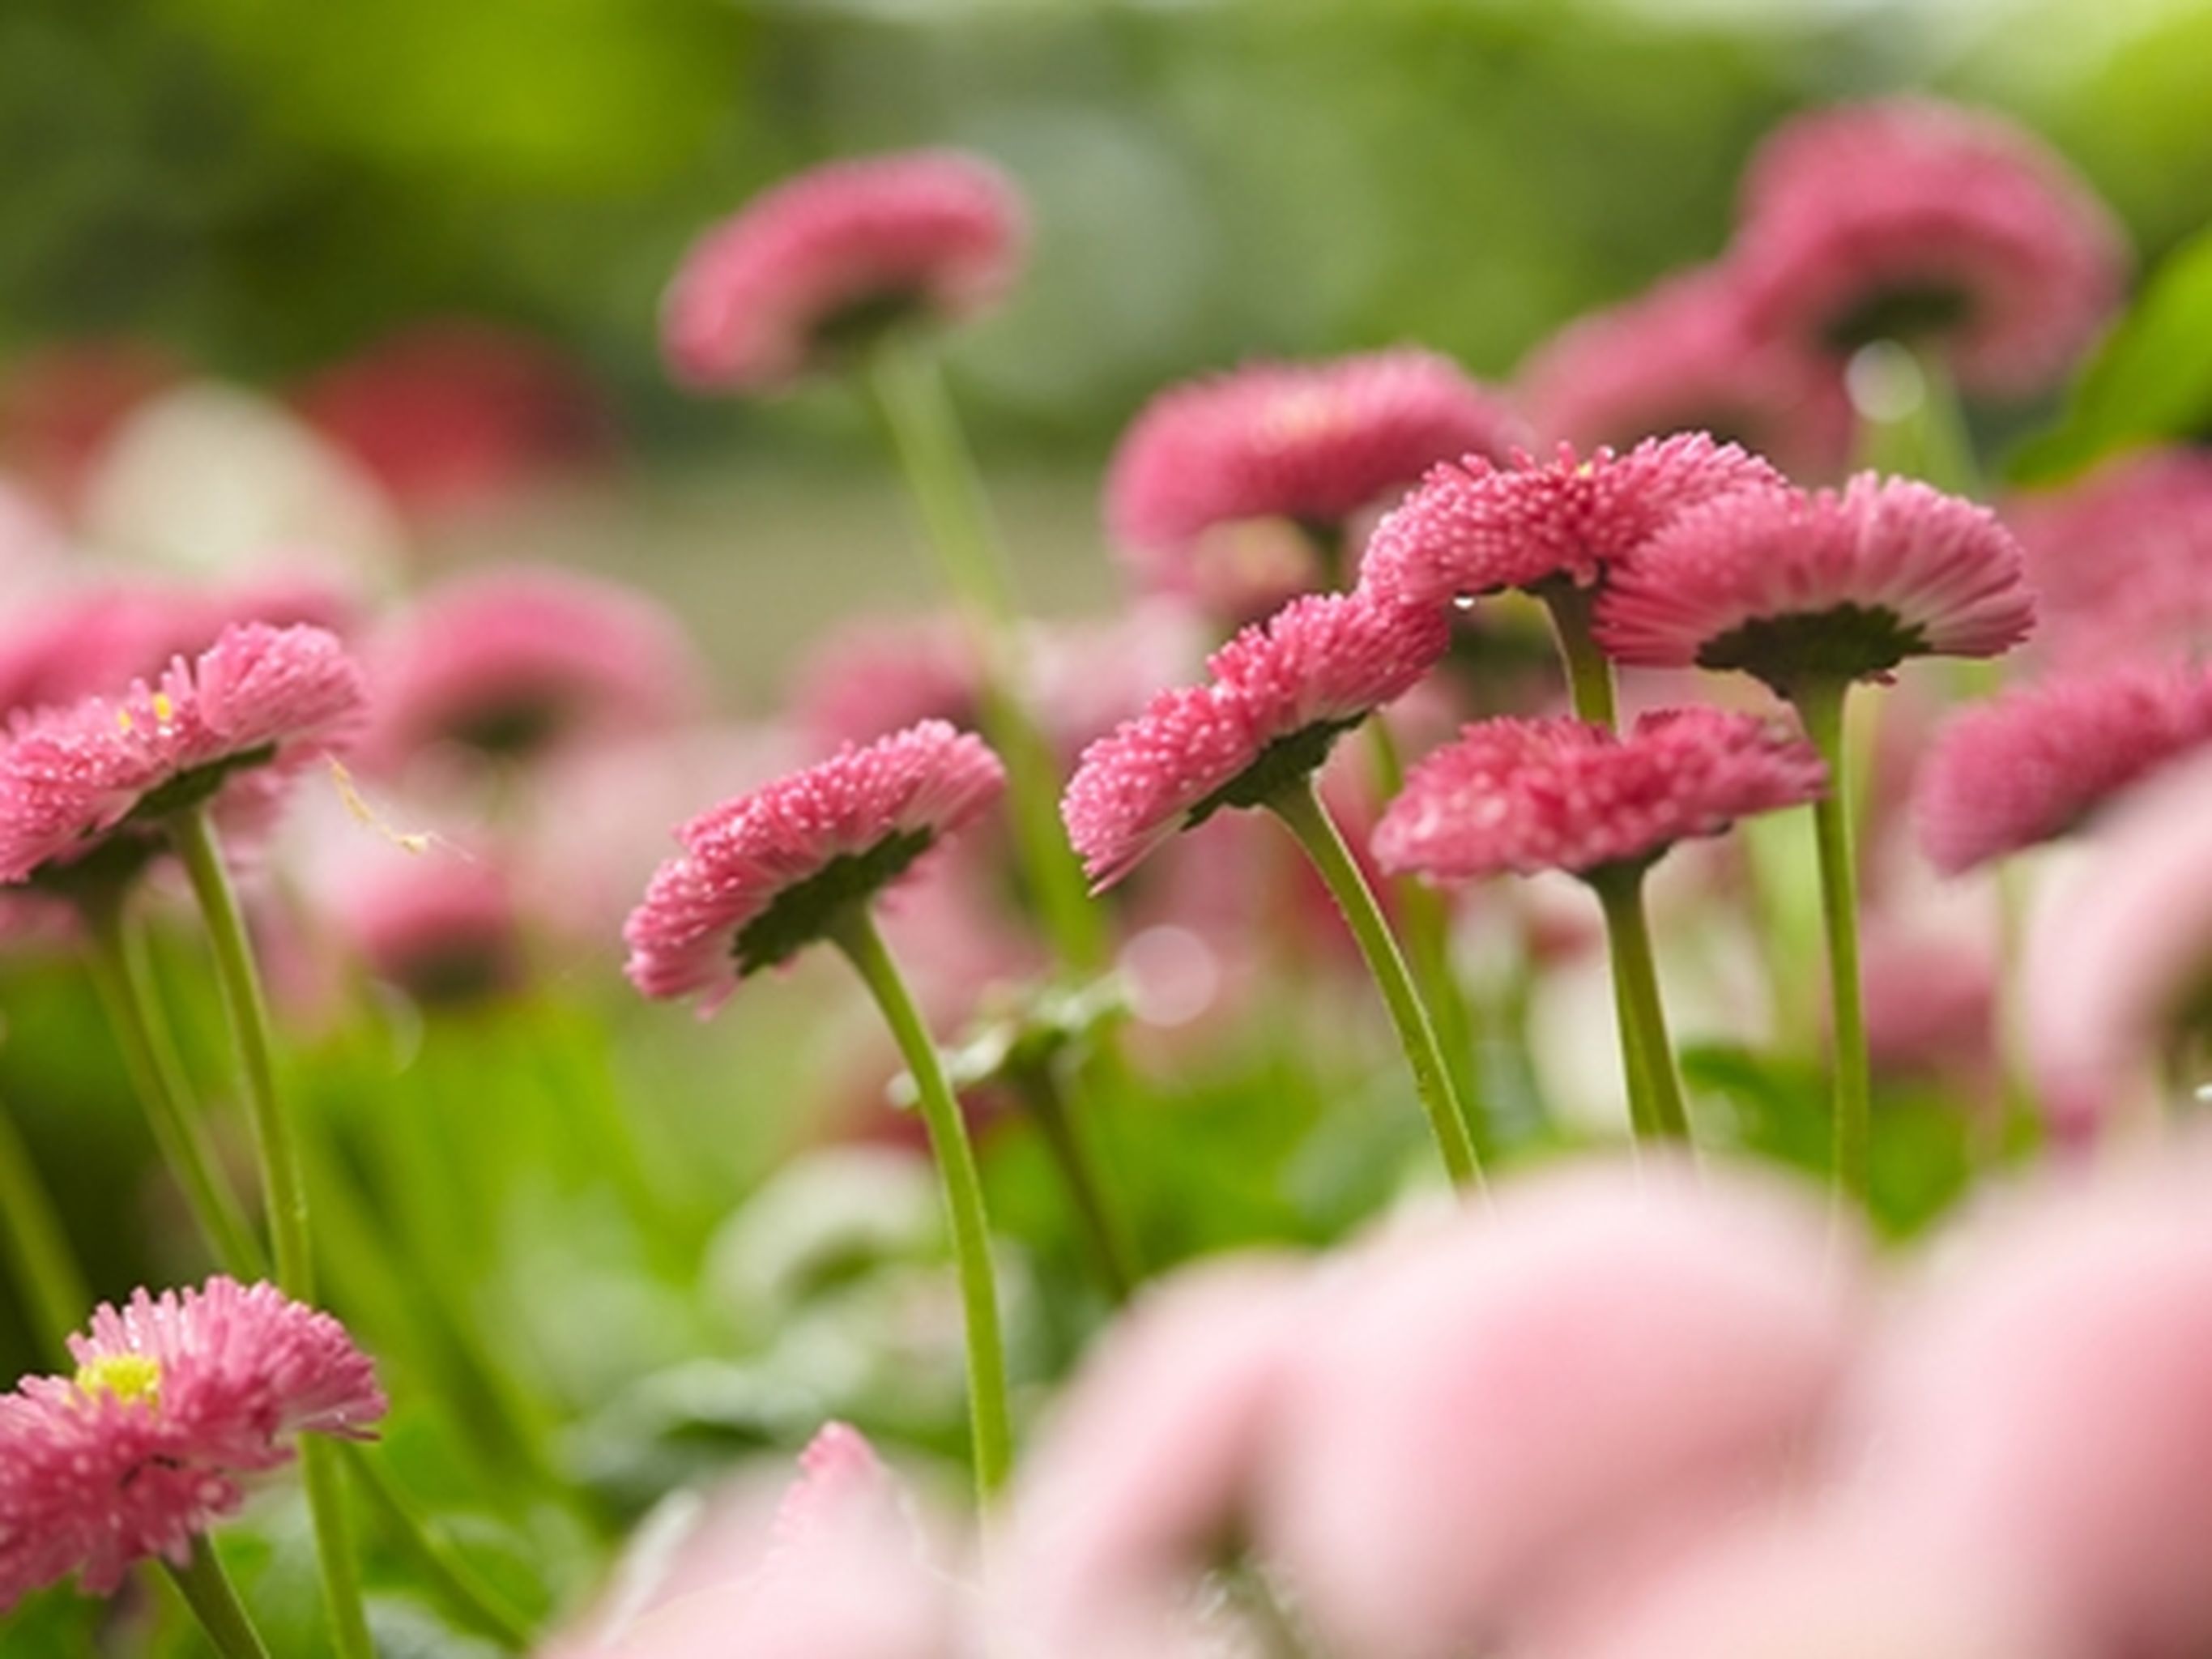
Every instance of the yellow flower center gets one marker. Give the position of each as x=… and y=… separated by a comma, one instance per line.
x=126, y=1375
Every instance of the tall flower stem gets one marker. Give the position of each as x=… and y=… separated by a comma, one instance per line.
x=285, y=1192
x=1046, y=1102
x=1819, y=704
x=208, y=1592
x=38, y=1249
x=116, y=960
x=1299, y=806
x=1646, y=1049
x=989, y=1418
x=448, y=1574
x=1589, y=671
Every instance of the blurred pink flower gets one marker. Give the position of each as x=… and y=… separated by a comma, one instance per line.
x=442, y=926
x=1306, y=445
x=763, y=875
x=1475, y=527
x=1934, y=226
x=876, y=674
x=1783, y=584
x=1562, y=794
x=2032, y=765
x=1541, y=1399
x=61, y=403
x=1681, y=357
x=1279, y=694
x=819, y=263
x=176, y=1399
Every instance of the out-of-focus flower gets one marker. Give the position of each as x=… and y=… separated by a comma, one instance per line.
x=442, y=926
x=1299, y=447
x=2032, y=765
x=1562, y=794
x=176, y=1401
x=254, y=706
x=518, y=663
x=1931, y=998
x=60, y=406
x=1936, y=226
x=878, y=674
x=822, y=264
x=1538, y=1401
x=1681, y=358
x=762, y=877
x=1475, y=528
x=1790, y=586
x=1281, y=693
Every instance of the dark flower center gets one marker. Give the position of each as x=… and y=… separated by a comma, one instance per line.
x=848, y=330
x=515, y=727
x=1844, y=642
x=1907, y=312
x=806, y=910
x=1281, y=763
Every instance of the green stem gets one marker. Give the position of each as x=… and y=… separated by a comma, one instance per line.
x=1646, y=1048
x=208, y=1592
x=1590, y=670
x=1821, y=706
x=992, y=1445
x=1299, y=806
x=284, y=1190
x=1042, y=1096
x=465, y=1592
x=45, y=1269
x=116, y=960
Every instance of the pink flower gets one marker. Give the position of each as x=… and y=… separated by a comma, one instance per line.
x=822, y=262
x=764, y=875
x=1281, y=692
x=1915, y=221
x=1475, y=528
x=1308, y=444
x=877, y=674
x=521, y=662
x=1681, y=357
x=1786, y=585
x=1527, y=795
x=1543, y=1398
x=2032, y=765
x=440, y=926
x=256, y=706
x=176, y=1401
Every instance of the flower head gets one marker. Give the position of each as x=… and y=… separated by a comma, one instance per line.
x=443, y=928
x=1281, y=693
x=2031, y=765
x=764, y=875
x=1786, y=585
x=177, y=1399
x=1474, y=527
x=1298, y=446
x=1915, y=221
x=254, y=706
x=1528, y=795
x=824, y=261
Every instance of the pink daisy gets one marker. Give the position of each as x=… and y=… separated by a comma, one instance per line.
x=2031, y=765
x=1529, y=795
x=1305, y=444
x=1281, y=693
x=823, y=262
x=1915, y=221
x=764, y=875
x=177, y=1399
x=1679, y=358
x=1475, y=527
x=443, y=926
x=1786, y=585
x=518, y=663
x=254, y=706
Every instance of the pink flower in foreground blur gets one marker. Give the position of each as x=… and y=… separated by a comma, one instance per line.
x=1281, y=693
x=1791, y=586
x=1474, y=528
x=440, y=926
x=517, y=663
x=1680, y=358
x=177, y=1399
x=823, y=262
x=2031, y=765
x=1528, y=795
x=1934, y=225
x=257, y=705
x=763, y=875
x=1539, y=1401
x=1308, y=444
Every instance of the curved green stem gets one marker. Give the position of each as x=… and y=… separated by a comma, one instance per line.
x=1111, y=1253
x=989, y=1417
x=285, y=1192
x=1590, y=670
x=45, y=1269
x=116, y=960
x=448, y=1572
x=1300, y=809
x=1821, y=707
x=208, y=1592
x=1647, y=1051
